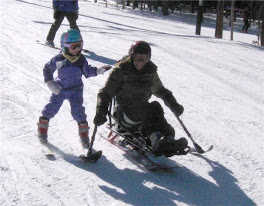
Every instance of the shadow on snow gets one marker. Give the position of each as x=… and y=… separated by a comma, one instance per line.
x=164, y=188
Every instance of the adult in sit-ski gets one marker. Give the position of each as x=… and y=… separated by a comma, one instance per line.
x=132, y=82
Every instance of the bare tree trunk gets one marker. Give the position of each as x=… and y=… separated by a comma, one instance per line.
x=165, y=8
x=150, y=5
x=262, y=27
x=219, y=19
x=156, y=5
x=199, y=18
x=124, y=4
x=192, y=7
x=134, y=4
x=232, y=20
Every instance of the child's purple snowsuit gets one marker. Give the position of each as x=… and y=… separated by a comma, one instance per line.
x=70, y=80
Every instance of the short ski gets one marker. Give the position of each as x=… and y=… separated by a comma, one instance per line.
x=48, y=152
x=194, y=151
x=55, y=47
x=144, y=159
x=44, y=44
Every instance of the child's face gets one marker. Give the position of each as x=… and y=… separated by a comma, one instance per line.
x=75, y=48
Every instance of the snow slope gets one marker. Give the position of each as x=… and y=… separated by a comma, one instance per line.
x=219, y=82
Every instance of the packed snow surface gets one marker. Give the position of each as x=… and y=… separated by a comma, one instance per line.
x=219, y=82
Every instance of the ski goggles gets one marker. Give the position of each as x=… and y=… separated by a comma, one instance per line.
x=144, y=58
x=74, y=46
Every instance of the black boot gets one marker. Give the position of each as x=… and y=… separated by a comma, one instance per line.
x=167, y=146
x=180, y=147
x=161, y=144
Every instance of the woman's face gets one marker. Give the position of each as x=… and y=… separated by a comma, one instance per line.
x=139, y=60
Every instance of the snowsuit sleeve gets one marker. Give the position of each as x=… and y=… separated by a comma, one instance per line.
x=88, y=70
x=49, y=69
x=110, y=90
x=161, y=92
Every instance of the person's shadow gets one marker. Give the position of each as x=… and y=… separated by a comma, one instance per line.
x=165, y=188
x=93, y=56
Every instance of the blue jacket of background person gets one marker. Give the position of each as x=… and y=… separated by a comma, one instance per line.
x=69, y=74
x=66, y=5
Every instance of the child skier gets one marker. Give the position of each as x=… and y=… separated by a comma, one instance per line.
x=71, y=65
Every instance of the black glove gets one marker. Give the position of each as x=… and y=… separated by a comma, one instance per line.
x=99, y=119
x=177, y=109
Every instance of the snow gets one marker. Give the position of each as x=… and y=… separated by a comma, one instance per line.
x=219, y=82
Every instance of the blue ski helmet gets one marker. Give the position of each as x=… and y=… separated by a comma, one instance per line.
x=68, y=37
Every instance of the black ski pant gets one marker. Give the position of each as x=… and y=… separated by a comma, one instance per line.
x=246, y=25
x=149, y=117
x=154, y=121
x=59, y=16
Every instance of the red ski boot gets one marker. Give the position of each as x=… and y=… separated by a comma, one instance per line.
x=43, y=125
x=84, y=135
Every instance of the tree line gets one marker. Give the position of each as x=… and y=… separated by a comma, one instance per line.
x=222, y=8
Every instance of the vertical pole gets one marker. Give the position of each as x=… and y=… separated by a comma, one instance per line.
x=199, y=18
x=262, y=28
x=219, y=19
x=232, y=20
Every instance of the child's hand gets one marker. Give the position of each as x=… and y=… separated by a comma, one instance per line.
x=54, y=88
x=103, y=69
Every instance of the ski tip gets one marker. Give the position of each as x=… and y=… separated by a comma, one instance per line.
x=195, y=152
x=50, y=156
x=210, y=148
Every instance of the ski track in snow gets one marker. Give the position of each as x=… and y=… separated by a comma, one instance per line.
x=219, y=82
